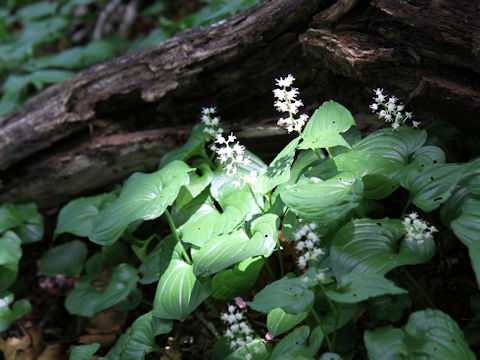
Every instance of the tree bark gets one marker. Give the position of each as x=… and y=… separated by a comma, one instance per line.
x=120, y=116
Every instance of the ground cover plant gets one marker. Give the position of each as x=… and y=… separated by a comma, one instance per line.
x=309, y=257
x=45, y=42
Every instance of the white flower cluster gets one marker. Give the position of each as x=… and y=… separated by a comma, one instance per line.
x=309, y=246
x=238, y=330
x=417, y=229
x=232, y=157
x=212, y=124
x=390, y=110
x=287, y=102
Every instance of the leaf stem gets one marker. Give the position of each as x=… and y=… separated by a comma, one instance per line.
x=269, y=268
x=280, y=260
x=255, y=199
x=173, y=229
x=319, y=321
x=419, y=287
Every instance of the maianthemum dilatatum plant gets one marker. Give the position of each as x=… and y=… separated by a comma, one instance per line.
x=222, y=213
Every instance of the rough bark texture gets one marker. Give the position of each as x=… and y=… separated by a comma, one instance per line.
x=120, y=116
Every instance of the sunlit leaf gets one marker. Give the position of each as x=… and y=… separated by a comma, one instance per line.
x=372, y=246
x=179, y=291
x=279, y=321
x=326, y=202
x=225, y=250
x=144, y=196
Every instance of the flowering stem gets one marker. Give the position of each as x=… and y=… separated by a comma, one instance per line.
x=173, y=229
x=320, y=323
x=419, y=287
x=314, y=149
x=404, y=211
x=255, y=199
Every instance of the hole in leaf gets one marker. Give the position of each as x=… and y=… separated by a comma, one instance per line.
x=434, y=161
x=379, y=224
x=354, y=294
x=454, y=341
x=266, y=236
x=422, y=165
x=218, y=207
x=431, y=178
x=438, y=198
x=434, y=349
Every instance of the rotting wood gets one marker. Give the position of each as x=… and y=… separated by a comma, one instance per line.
x=120, y=116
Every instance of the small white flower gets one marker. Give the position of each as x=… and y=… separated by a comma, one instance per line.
x=285, y=82
x=417, y=229
x=238, y=330
x=390, y=111
x=309, y=248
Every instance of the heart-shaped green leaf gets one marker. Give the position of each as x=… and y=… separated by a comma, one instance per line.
x=292, y=346
x=78, y=216
x=395, y=145
x=433, y=186
x=144, y=196
x=179, y=291
x=359, y=287
x=139, y=339
x=278, y=171
x=471, y=177
x=326, y=202
x=24, y=220
x=7, y=315
x=225, y=250
x=428, y=334
x=86, y=300
x=324, y=139
x=372, y=246
x=331, y=116
x=279, y=321
x=233, y=282
x=292, y=295
x=467, y=226
x=66, y=259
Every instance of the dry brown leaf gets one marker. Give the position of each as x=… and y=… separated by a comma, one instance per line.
x=26, y=348
x=53, y=352
x=107, y=321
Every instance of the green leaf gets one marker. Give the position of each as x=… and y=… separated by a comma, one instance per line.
x=292, y=345
x=24, y=219
x=388, y=307
x=428, y=334
x=225, y=250
x=395, y=145
x=433, y=186
x=279, y=321
x=372, y=246
x=37, y=10
x=139, y=339
x=144, y=196
x=324, y=139
x=474, y=253
x=330, y=116
x=195, y=186
x=179, y=291
x=84, y=352
x=193, y=146
x=467, y=226
x=11, y=246
x=86, y=300
x=78, y=216
x=471, y=177
x=359, y=287
x=7, y=315
x=291, y=295
x=10, y=255
x=66, y=259
x=326, y=202
x=158, y=260
x=278, y=171
x=207, y=222
x=229, y=283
